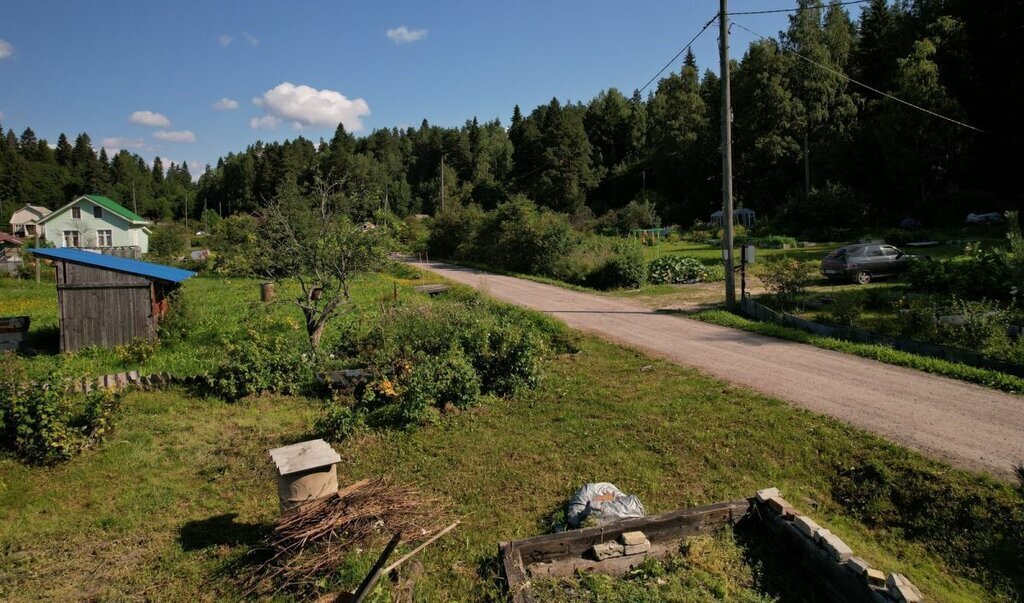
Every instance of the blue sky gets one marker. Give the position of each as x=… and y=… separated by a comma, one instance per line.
x=77, y=66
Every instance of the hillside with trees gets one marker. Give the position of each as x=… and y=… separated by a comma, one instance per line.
x=813, y=151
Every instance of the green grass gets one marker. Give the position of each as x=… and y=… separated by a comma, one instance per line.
x=171, y=503
x=938, y=366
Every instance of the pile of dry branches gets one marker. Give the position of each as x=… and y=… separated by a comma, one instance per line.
x=313, y=539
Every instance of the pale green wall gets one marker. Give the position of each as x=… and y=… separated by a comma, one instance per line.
x=123, y=232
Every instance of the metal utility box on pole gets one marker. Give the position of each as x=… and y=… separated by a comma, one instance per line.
x=727, y=239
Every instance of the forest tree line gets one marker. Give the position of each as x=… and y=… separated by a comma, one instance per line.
x=811, y=149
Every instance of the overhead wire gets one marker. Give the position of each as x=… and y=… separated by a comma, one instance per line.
x=797, y=9
x=678, y=54
x=865, y=86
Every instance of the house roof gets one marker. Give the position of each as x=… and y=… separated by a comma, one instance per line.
x=8, y=238
x=105, y=203
x=110, y=262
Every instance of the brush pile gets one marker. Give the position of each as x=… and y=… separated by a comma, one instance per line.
x=313, y=539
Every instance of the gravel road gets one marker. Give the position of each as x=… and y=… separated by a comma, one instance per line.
x=964, y=424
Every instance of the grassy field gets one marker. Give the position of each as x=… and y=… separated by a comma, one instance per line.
x=170, y=504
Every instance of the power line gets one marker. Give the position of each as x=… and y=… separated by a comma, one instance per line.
x=685, y=48
x=863, y=85
x=797, y=9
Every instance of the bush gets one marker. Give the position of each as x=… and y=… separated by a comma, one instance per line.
x=169, y=241
x=262, y=363
x=845, y=310
x=670, y=269
x=774, y=242
x=981, y=326
x=626, y=268
x=45, y=421
x=234, y=242
x=916, y=319
x=786, y=279
x=136, y=352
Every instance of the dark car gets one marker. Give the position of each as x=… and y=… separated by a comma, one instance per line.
x=864, y=263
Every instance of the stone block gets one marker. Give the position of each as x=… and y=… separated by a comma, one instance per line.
x=875, y=577
x=764, y=495
x=782, y=507
x=858, y=566
x=632, y=538
x=836, y=548
x=807, y=526
x=902, y=589
x=607, y=550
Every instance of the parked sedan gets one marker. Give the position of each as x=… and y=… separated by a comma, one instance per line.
x=864, y=263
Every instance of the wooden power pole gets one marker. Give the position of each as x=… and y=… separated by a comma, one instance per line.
x=442, y=182
x=727, y=240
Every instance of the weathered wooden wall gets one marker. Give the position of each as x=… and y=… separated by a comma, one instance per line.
x=102, y=307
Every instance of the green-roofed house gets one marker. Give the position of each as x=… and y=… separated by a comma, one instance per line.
x=95, y=222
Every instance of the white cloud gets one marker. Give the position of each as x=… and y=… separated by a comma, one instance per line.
x=267, y=122
x=307, y=106
x=225, y=40
x=251, y=39
x=225, y=104
x=404, y=35
x=175, y=136
x=117, y=143
x=149, y=118
x=6, y=49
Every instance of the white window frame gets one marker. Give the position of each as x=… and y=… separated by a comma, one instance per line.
x=105, y=238
x=76, y=213
x=75, y=238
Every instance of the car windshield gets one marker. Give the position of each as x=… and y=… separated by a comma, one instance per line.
x=839, y=253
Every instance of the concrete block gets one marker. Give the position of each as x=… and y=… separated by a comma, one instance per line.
x=607, y=550
x=808, y=526
x=782, y=507
x=636, y=549
x=875, y=577
x=632, y=538
x=835, y=546
x=902, y=589
x=858, y=566
x=764, y=495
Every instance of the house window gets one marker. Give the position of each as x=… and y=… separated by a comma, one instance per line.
x=76, y=213
x=104, y=238
x=71, y=238
x=97, y=212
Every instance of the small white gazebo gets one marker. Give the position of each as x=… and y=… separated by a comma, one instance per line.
x=742, y=216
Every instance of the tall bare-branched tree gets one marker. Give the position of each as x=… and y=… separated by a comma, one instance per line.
x=307, y=240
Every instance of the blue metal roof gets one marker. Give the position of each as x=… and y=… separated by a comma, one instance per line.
x=110, y=262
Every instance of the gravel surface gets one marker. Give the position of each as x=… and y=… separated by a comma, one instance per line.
x=967, y=425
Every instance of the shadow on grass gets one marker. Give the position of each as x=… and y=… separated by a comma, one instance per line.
x=220, y=530
x=775, y=573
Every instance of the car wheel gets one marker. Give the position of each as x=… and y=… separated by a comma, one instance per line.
x=863, y=277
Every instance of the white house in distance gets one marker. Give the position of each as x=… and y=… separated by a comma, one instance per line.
x=93, y=221
x=23, y=220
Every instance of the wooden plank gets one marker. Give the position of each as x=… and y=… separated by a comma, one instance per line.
x=104, y=286
x=666, y=526
x=366, y=588
x=515, y=573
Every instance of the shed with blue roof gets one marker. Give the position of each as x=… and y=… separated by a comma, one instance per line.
x=104, y=300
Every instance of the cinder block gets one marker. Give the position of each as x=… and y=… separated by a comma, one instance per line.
x=782, y=507
x=875, y=577
x=808, y=526
x=902, y=589
x=764, y=495
x=607, y=550
x=636, y=549
x=632, y=538
x=858, y=566
x=834, y=545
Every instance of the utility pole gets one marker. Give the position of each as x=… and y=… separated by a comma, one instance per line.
x=387, y=207
x=442, y=182
x=186, y=209
x=730, y=277
x=807, y=166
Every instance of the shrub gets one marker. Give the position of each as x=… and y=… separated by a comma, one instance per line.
x=169, y=241
x=436, y=381
x=916, y=319
x=786, y=279
x=262, y=363
x=677, y=269
x=845, y=310
x=981, y=326
x=699, y=234
x=234, y=242
x=136, y=352
x=626, y=268
x=45, y=421
x=774, y=242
